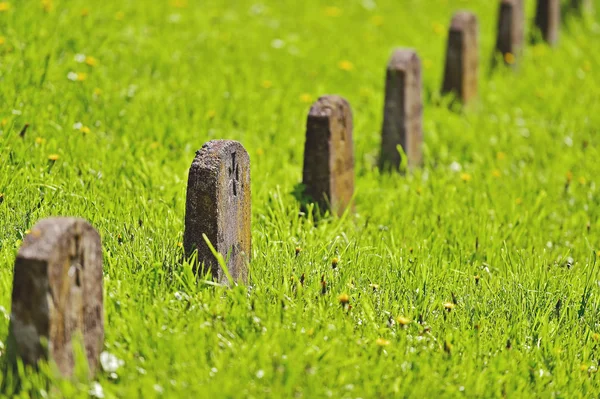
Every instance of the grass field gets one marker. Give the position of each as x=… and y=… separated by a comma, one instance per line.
x=502, y=223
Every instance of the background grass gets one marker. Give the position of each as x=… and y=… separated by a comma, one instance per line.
x=508, y=193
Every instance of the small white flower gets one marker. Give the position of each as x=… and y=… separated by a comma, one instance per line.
x=260, y=374
x=80, y=58
x=277, y=43
x=96, y=390
x=72, y=76
x=16, y=112
x=77, y=125
x=455, y=167
x=158, y=388
x=110, y=363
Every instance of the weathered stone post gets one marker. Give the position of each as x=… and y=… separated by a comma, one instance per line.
x=462, y=57
x=57, y=294
x=328, y=175
x=511, y=30
x=403, y=111
x=547, y=20
x=219, y=205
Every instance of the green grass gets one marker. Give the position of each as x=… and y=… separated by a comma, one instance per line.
x=168, y=79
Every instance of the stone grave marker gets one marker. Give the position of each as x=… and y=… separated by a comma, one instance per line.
x=403, y=110
x=511, y=30
x=582, y=5
x=547, y=20
x=57, y=294
x=219, y=205
x=328, y=175
x=462, y=57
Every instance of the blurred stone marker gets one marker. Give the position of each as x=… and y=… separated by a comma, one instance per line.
x=547, y=19
x=511, y=30
x=582, y=5
x=462, y=57
x=219, y=205
x=328, y=175
x=57, y=294
x=403, y=110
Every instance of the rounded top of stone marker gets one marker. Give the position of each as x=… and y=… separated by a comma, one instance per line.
x=402, y=58
x=211, y=154
x=41, y=241
x=463, y=19
x=325, y=106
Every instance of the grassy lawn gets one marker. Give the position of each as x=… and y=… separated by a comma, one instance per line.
x=487, y=254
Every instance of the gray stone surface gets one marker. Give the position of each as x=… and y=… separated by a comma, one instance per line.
x=328, y=174
x=547, y=20
x=219, y=205
x=57, y=294
x=511, y=28
x=462, y=57
x=403, y=110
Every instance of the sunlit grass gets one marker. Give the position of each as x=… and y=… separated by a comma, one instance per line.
x=476, y=275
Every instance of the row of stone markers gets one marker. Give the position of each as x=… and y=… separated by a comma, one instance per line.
x=57, y=285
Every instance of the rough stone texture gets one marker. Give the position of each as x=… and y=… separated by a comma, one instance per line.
x=219, y=205
x=547, y=19
x=328, y=174
x=57, y=294
x=511, y=28
x=403, y=110
x=462, y=57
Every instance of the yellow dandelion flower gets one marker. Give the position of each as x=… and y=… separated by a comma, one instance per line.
x=596, y=336
x=345, y=65
x=587, y=66
x=569, y=176
x=583, y=367
x=4, y=6
x=81, y=77
x=260, y=152
x=91, y=61
x=178, y=3
x=154, y=145
x=466, y=177
x=598, y=253
x=377, y=20
x=85, y=130
x=509, y=58
x=403, y=321
x=496, y=173
x=333, y=11
x=179, y=244
x=4, y=122
x=449, y=306
x=211, y=113
x=582, y=180
x=306, y=98
x=344, y=299
x=2, y=40
x=334, y=262
x=39, y=140
x=519, y=201
x=53, y=157
x=382, y=342
x=97, y=91
x=501, y=156
x=119, y=15
x=47, y=5
x=267, y=84
x=27, y=231
x=438, y=28
x=85, y=12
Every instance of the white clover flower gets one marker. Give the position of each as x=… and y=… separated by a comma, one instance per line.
x=96, y=390
x=77, y=125
x=455, y=167
x=158, y=388
x=79, y=58
x=110, y=363
x=72, y=76
x=277, y=43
